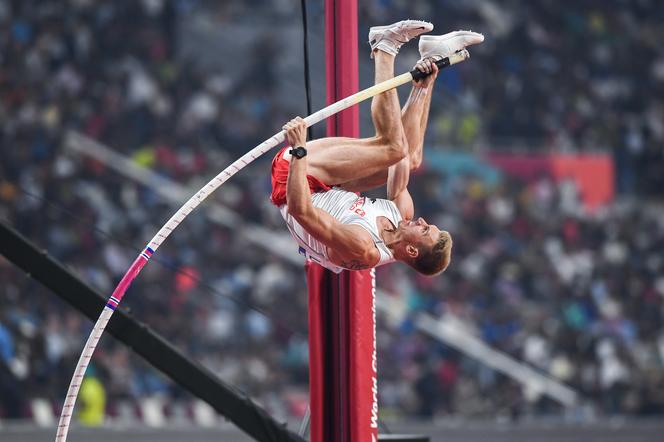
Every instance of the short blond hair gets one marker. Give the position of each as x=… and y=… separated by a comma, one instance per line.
x=433, y=260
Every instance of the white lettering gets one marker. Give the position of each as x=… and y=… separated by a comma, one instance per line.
x=374, y=405
x=374, y=356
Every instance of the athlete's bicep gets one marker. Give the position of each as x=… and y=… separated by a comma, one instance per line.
x=328, y=230
x=404, y=203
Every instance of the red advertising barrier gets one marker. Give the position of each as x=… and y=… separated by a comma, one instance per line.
x=593, y=174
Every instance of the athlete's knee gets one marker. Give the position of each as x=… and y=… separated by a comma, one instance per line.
x=398, y=150
x=402, y=147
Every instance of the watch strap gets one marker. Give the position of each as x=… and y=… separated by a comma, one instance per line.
x=298, y=152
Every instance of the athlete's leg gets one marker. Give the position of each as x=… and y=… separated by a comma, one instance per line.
x=338, y=160
x=416, y=109
x=415, y=115
x=414, y=118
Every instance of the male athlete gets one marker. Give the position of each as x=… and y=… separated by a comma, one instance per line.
x=314, y=183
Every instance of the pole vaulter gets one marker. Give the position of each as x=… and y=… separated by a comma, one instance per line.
x=192, y=203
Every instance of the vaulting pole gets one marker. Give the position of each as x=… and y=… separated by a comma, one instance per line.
x=343, y=377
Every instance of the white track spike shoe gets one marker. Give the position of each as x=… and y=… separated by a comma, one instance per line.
x=390, y=38
x=448, y=44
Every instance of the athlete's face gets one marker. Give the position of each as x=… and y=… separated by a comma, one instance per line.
x=418, y=232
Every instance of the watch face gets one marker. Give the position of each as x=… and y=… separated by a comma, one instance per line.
x=299, y=152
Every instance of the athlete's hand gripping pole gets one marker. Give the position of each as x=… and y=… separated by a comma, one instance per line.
x=455, y=58
x=192, y=203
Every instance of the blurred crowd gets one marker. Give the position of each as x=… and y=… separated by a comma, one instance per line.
x=579, y=296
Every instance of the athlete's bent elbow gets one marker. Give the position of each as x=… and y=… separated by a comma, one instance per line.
x=294, y=210
x=297, y=210
x=415, y=161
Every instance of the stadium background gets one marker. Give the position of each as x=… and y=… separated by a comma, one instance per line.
x=544, y=158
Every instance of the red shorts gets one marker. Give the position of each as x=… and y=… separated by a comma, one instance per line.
x=280, y=175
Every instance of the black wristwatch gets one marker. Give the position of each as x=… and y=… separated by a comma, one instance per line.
x=298, y=152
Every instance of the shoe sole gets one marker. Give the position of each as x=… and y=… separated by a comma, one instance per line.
x=450, y=36
x=438, y=38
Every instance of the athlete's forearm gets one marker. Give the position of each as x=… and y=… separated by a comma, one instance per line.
x=425, y=111
x=413, y=116
x=298, y=195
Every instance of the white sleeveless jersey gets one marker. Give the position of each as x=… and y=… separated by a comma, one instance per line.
x=347, y=208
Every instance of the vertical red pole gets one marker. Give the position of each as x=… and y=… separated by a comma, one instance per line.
x=342, y=346
x=342, y=64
